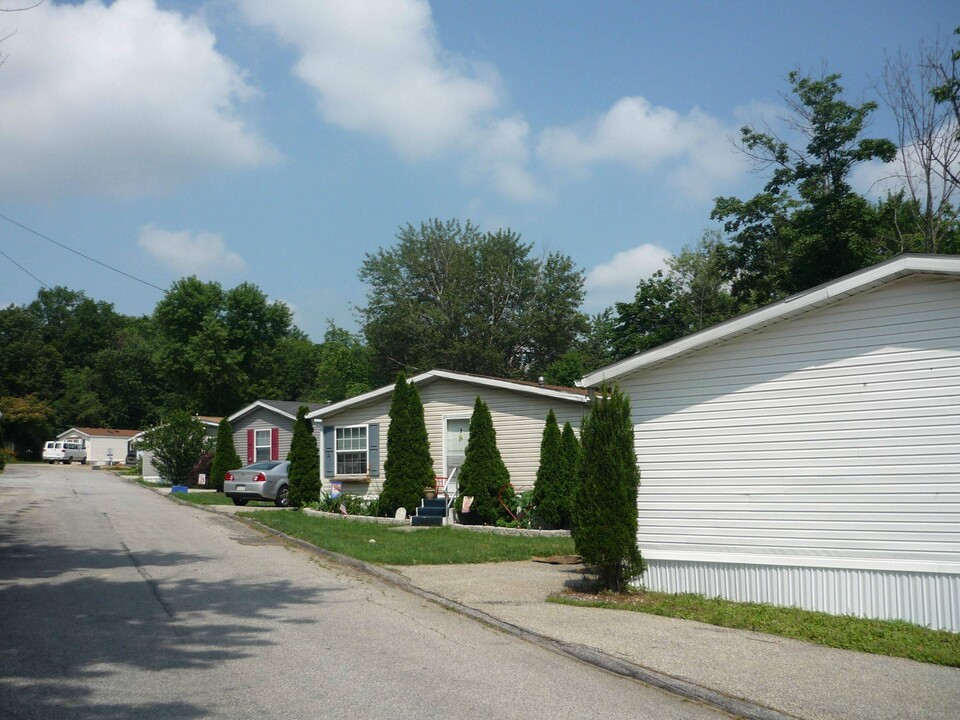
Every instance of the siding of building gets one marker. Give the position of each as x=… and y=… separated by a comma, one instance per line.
x=815, y=462
x=518, y=419
x=262, y=419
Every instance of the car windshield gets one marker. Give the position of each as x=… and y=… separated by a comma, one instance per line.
x=266, y=465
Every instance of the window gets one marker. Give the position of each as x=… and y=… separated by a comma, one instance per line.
x=352, y=450
x=262, y=445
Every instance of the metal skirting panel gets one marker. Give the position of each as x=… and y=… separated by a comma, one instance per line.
x=930, y=599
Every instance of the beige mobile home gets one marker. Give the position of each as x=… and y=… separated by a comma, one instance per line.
x=354, y=432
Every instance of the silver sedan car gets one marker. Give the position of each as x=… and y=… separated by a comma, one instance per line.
x=265, y=480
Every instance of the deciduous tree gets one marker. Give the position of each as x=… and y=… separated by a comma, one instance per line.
x=176, y=444
x=449, y=296
x=807, y=226
x=929, y=150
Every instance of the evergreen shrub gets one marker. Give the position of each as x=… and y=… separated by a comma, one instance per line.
x=225, y=456
x=483, y=474
x=408, y=468
x=304, y=457
x=605, y=517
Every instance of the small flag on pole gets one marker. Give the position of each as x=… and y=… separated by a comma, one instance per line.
x=343, y=509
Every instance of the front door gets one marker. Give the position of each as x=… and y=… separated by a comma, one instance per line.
x=456, y=435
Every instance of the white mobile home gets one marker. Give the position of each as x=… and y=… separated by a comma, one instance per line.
x=104, y=445
x=808, y=453
x=354, y=431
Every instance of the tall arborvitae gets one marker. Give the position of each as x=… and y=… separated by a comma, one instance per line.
x=304, y=457
x=571, y=460
x=225, y=456
x=547, y=490
x=605, y=517
x=408, y=468
x=483, y=474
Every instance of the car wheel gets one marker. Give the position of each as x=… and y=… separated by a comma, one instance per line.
x=83, y=462
x=66, y=461
x=240, y=501
x=283, y=497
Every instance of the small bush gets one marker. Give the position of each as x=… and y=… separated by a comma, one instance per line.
x=354, y=504
x=201, y=468
x=225, y=456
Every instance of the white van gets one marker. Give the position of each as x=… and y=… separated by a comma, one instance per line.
x=65, y=451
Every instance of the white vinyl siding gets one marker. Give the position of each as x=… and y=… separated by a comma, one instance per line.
x=830, y=440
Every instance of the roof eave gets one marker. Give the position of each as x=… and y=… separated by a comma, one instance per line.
x=755, y=320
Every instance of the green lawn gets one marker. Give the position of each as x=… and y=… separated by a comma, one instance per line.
x=429, y=546
x=209, y=498
x=880, y=637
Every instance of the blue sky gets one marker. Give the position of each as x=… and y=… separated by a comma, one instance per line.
x=280, y=142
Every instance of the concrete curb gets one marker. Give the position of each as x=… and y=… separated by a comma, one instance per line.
x=738, y=707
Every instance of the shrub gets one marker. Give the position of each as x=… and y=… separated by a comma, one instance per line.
x=605, y=518
x=572, y=459
x=355, y=505
x=176, y=444
x=202, y=467
x=304, y=457
x=409, y=467
x=225, y=456
x=547, y=489
x=483, y=475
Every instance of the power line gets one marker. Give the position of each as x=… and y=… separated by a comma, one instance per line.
x=24, y=269
x=76, y=252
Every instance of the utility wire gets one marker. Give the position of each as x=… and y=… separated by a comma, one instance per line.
x=24, y=269
x=76, y=252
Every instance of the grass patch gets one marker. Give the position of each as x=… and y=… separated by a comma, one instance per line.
x=152, y=485
x=880, y=637
x=429, y=546
x=209, y=498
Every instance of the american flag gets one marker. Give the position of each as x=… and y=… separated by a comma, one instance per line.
x=343, y=509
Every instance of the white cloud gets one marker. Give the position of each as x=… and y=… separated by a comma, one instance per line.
x=693, y=150
x=120, y=99
x=202, y=254
x=378, y=68
x=616, y=280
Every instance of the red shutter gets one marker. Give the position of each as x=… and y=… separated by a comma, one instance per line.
x=274, y=443
x=251, y=449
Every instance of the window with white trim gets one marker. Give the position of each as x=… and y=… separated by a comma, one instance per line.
x=351, y=450
x=262, y=445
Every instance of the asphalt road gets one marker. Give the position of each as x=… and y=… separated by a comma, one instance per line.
x=117, y=603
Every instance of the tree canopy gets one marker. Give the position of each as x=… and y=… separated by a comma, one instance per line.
x=450, y=296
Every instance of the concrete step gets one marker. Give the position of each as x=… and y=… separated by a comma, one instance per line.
x=426, y=520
